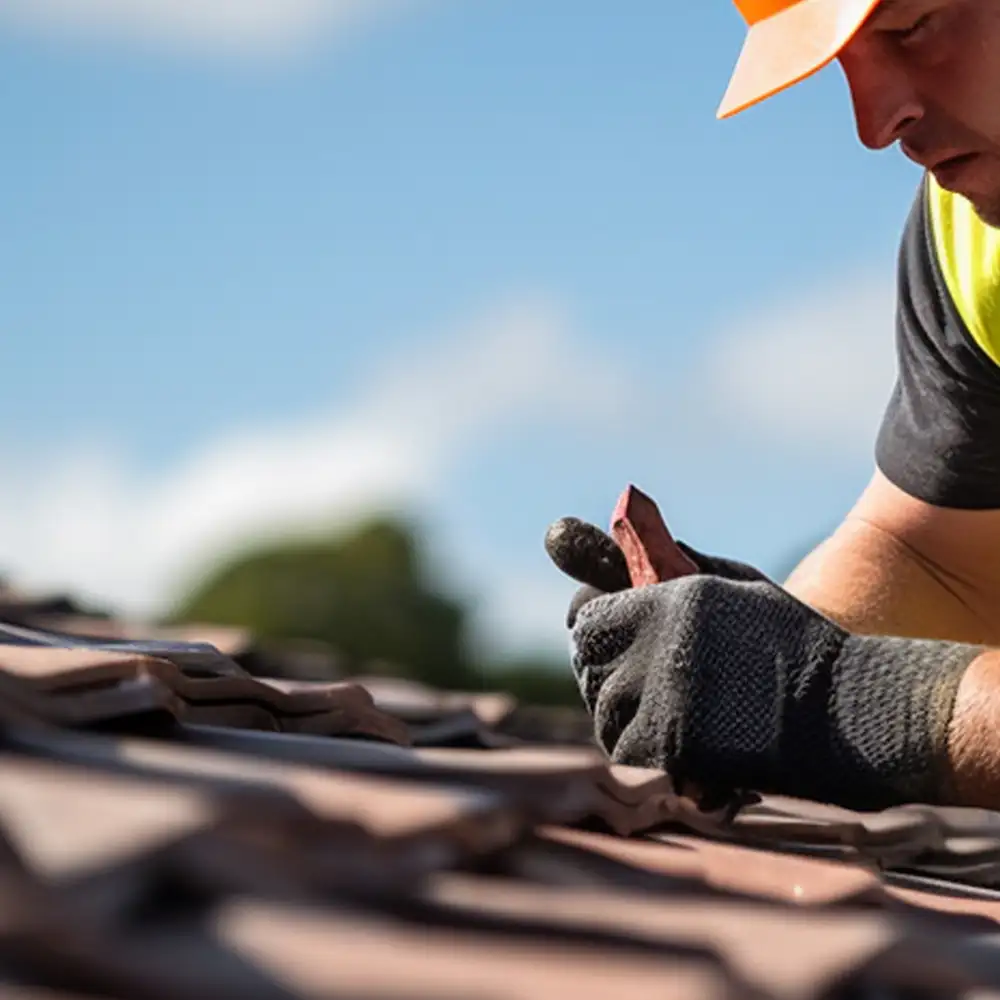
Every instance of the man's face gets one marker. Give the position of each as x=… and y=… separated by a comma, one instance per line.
x=926, y=74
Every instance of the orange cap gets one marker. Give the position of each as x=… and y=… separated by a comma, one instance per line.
x=789, y=40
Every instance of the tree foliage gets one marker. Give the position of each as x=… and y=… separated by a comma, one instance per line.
x=366, y=593
x=370, y=596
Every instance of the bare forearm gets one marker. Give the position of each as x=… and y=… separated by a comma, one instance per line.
x=974, y=742
x=871, y=583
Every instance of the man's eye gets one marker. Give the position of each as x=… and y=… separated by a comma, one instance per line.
x=915, y=31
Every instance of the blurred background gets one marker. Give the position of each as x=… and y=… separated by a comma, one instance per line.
x=315, y=313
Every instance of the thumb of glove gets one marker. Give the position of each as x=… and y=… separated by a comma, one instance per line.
x=588, y=555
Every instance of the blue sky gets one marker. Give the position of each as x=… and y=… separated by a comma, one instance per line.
x=485, y=260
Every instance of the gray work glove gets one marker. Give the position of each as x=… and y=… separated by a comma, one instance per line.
x=726, y=680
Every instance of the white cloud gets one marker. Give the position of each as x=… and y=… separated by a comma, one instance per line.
x=87, y=522
x=815, y=370
x=255, y=27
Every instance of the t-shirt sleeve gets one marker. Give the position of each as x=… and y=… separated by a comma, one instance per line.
x=940, y=437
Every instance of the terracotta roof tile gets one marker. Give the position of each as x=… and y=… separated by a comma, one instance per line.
x=319, y=954
x=274, y=839
x=88, y=686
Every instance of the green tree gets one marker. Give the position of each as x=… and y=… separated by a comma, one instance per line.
x=366, y=593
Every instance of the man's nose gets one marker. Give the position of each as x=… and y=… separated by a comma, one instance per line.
x=886, y=104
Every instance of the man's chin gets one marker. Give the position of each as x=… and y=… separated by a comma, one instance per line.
x=988, y=210
x=976, y=178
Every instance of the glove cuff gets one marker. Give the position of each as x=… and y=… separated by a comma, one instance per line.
x=889, y=707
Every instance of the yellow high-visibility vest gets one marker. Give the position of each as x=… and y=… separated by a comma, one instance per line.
x=968, y=255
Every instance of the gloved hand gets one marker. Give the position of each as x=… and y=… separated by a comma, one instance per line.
x=726, y=680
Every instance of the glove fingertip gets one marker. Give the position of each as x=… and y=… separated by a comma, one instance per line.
x=588, y=555
x=581, y=599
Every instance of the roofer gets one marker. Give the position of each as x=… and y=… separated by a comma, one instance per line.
x=873, y=676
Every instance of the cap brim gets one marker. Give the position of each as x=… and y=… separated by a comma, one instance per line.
x=787, y=47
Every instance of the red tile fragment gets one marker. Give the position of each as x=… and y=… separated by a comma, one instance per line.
x=650, y=551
